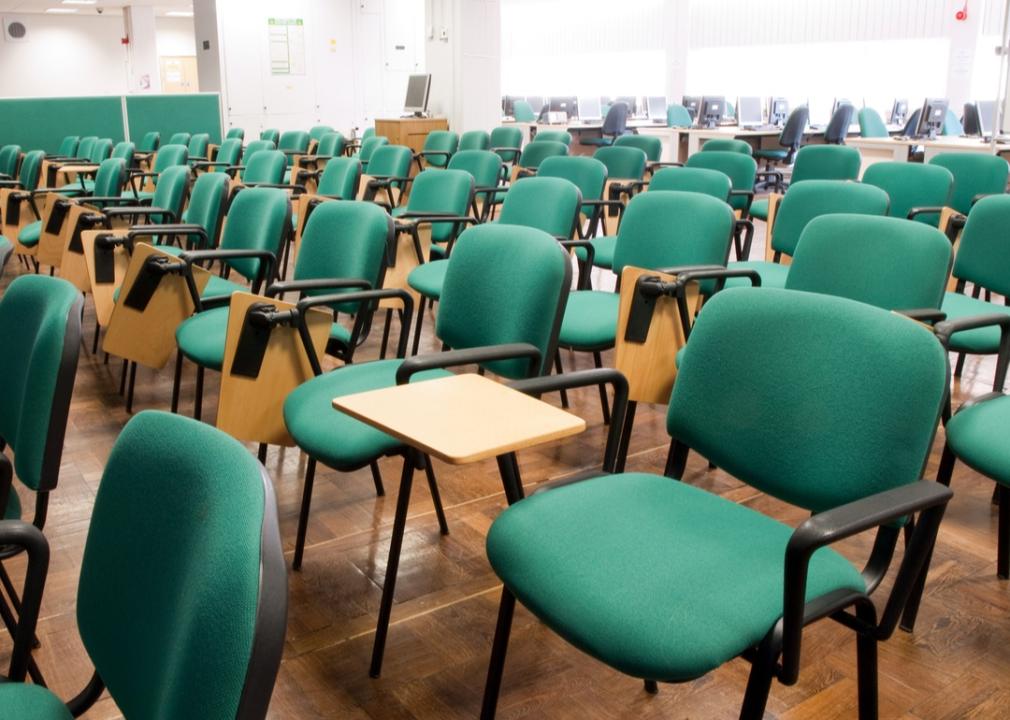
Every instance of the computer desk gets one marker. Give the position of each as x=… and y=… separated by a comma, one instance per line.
x=577, y=128
x=896, y=149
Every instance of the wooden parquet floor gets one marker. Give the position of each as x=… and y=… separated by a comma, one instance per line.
x=956, y=664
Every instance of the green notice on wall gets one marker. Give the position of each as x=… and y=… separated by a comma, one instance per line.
x=287, y=46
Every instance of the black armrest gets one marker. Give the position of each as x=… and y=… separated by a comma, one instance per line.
x=295, y=189
x=469, y=356
x=387, y=180
x=174, y=229
x=583, y=283
x=11, y=183
x=916, y=211
x=925, y=315
x=720, y=274
x=265, y=272
x=945, y=329
x=278, y=289
x=513, y=151
x=428, y=217
x=18, y=533
x=145, y=210
x=661, y=164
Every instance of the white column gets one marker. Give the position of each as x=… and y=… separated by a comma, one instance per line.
x=143, y=73
x=963, y=36
x=676, y=24
x=208, y=45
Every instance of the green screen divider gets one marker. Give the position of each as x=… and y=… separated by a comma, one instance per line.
x=169, y=114
x=41, y=123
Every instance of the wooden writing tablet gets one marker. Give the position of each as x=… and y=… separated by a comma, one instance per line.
x=103, y=291
x=72, y=264
x=773, y=204
x=16, y=215
x=406, y=261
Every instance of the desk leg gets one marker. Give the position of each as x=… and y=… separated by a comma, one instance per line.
x=393, y=562
x=509, y=469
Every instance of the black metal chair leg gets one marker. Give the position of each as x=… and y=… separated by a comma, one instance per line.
x=198, y=400
x=759, y=685
x=866, y=664
x=560, y=370
x=261, y=453
x=392, y=564
x=629, y=423
x=959, y=365
x=499, y=648
x=94, y=344
x=422, y=301
x=177, y=382
x=604, y=401
x=7, y=616
x=995, y=495
x=651, y=687
x=1003, y=534
x=122, y=377
x=436, y=497
x=377, y=478
x=129, y=391
x=385, y=334
x=303, y=514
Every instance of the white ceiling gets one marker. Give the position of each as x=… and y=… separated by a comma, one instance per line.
x=109, y=7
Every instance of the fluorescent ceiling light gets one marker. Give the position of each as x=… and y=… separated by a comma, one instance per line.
x=79, y=2
x=179, y=13
x=61, y=11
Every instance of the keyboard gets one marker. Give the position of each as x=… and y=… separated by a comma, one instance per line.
x=761, y=127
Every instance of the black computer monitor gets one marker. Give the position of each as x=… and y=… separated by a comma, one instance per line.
x=692, y=103
x=838, y=103
x=986, y=117
x=748, y=111
x=416, y=101
x=508, y=104
x=932, y=117
x=568, y=104
x=899, y=111
x=630, y=101
x=778, y=110
x=536, y=102
x=712, y=108
x=656, y=105
x=590, y=108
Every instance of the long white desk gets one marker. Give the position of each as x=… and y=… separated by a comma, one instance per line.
x=895, y=149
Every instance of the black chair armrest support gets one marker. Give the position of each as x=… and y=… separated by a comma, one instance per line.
x=278, y=289
x=584, y=271
x=144, y=210
x=468, y=356
x=266, y=267
x=924, y=315
x=945, y=329
x=168, y=229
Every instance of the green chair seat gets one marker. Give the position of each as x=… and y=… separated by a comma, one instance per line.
x=656, y=578
x=428, y=278
x=603, y=251
x=983, y=340
x=20, y=701
x=977, y=435
x=590, y=320
x=332, y=437
x=772, y=274
x=759, y=209
x=172, y=250
x=30, y=234
x=218, y=286
x=771, y=154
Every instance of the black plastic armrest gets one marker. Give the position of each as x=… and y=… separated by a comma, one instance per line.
x=134, y=175
x=211, y=163
x=108, y=199
x=145, y=210
x=537, y=386
x=295, y=189
x=925, y=315
x=583, y=283
x=425, y=153
x=427, y=217
x=664, y=163
x=469, y=356
x=514, y=151
x=945, y=329
x=168, y=229
x=742, y=193
x=278, y=289
x=916, y=211
x=18, y=533
x=11, y=183
x=292, y=153
x=926, y=497
x=266, y=270
x=386, y=180
x=720, y=274
x=619, y=204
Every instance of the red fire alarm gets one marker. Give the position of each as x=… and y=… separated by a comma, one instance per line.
x=124, y=41
x=962, y=14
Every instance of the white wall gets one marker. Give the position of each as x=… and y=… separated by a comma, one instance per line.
x=175, y=36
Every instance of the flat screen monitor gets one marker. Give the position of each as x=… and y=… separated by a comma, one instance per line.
x=536, y=102
x=657, y=108
x=692, y=103
x=590, y=108
x=508, y=104
x=838, y=103
x=566, y=104
x=986, y=116
x=748, y=111
x=417, y=94
x=932, y=117
x=778, y=110
x=630, y=101
x=712, y=109
x=899, y=111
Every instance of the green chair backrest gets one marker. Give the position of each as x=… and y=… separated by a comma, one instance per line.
x=293, y=141
x=9, y=156
x=678, y=116
x=809, y=441
x=83, y=147
x=441, y=191
x=665, y=228
x=169, y=156
x=727, y=145
x=911, y=185
x=474, y=140
x=68, y=146
x=440, y=141
x=536, y=152
x=740, y=169
x=692, y=179
x=884, y=261
x=974, y=174
x=266, y=166
x=340, y=178
x=504, y=140
x=331, y=144
x=369, y=132
x=150, y=142
x=547, y=204
x=346, y=241
x=316, y=132
x=983, y=255
x=235, y=134
x=826, y=162
x=182, y=505
x=198, y=145
x=258, y=219
x=561, y=136
x=390, y=161
x=522, y=111
x=951, y=125
x=111, y=177
x=170, y=194
x=368, y=147
x=871, y=124
x=588, y=174
x=179, y=138
x=31, y=167
x=271, y=134
x=229, y=152
x=650, y=144
x=101, y=150
x=40, y=322
x=812, y=198
x=207, y=199
x=484, y=165
x=124, y=150
x=254, y=147
x=623, y=163
x=520, y=297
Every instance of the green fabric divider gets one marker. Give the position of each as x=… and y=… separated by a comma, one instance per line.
x=168, y=114
x=42, y=123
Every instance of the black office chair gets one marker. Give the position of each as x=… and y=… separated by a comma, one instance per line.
x=972, y=123
x=615, y=124
x=838, y=126
x=790, y=139
x=913, y=122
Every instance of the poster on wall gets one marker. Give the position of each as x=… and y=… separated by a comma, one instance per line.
x=287, y=46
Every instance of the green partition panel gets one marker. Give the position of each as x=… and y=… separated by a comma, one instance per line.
x=168, y=114
x=41, y=123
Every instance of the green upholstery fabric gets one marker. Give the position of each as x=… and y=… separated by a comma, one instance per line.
x=772, y=274
x=390, y=161
x=169, y=156
x=331, y=144
x=678, y=116
x=340, y=178
x=368, y=146
x=871, y=124
x=293, y=141
x=9, y=155
x=257, y=220
x=235, y=134
x=984, y=340
x=656, y=578
x=271, y=134
x=316, y=132
x=771, y=154
x=588, y=174
x=977, y=435
x=21, y=701
x=974, y=174
x=206, y=205
x=218, y=286
x=474, y=140
x=561, y=136
x=30, y=234
x=651, y=145
x=179, y=138
x=740, y=169
x=429, y=278
x=228, y=153
x=442, y=141
x=728, y=145
x=536, y=152
x=197, y=145
x=759, y=209
x=150, y=142
x=85, y=145
x=441, y=192
x=254, y=147
x=951, y=125
x=522, y=111
x=265, y=166
x=603, y=251
x=110, y=177
x=367, y=133
x=590, y=320
x=180, y=505
x=68, y=146
x=547, y=204
x=31, y=166
x=201, y=337
x=520, y=300
x=171, y=192
x=101, y=150
x=891, y=263
x=826, y=162
x=982, y=256
x=911, y=185
x=507, y=142
x=623, y=163
x=887, y=362
x=484, y=165
x=124, y=151
x=35, y=313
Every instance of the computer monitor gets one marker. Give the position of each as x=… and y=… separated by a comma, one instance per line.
x=565, y=104
x=748, y=111
x=416, y=101
x=630, y=101
x=838, y=103
x=692, y=103
x=932, y=117
x=590, y=108
x=508, y=104
x=899, y=111
x=657, y=108
x=712, y=108
x=778, y=110
x=536, y=102
x=986, y=117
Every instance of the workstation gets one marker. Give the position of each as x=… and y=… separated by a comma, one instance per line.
x=504, y=358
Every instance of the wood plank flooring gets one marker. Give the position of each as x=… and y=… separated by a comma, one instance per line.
x=955, y=665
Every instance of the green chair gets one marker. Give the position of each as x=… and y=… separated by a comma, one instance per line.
x=86, y=186
x=692, y=179
x=535, y=153
x=651, y=145
x=179, y=138
x=438, y=148
x=507, y=141
x=615, y=124
x=171, y=155
x=293, y=142
x=486, y=168
x=516, y=301
x=951, y=125
x=197, y=146
x=369, y=132
x=388, y=171
x=180, y=505
x=316, y=132
x=626, y=168
x=789, y=142
x=561, y=136
x=10, y=157
x=340, y=178
x=343, y=247
x=522, y=111
x=815, y=162
x=271, y=134
x=162, y=206
x=728, y=145
x=871, y=124
x=150, y=142
x=975, y=175
x=331, y=145
x=228, y=155
x=368, y=146
x=589, y=175
x=912, y=187
x=678, y=116
x=235, y=134
x=85, y=146
x=28, y=175
x=40, y=321
x=200, y=225
x=68, y=146
x=739, y=167
x=266, y=167
x=802, y=203
x=101, y=150
x=666, y=582
x=474, y=140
